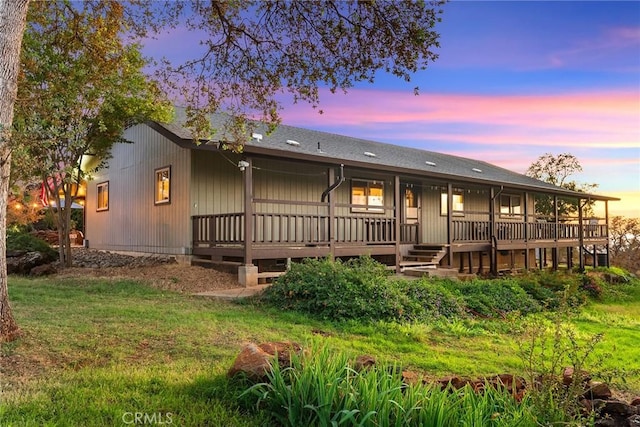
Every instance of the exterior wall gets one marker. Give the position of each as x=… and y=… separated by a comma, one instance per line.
x=216, y=184
x=133, y=223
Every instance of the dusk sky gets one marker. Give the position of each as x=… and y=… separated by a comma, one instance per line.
x=514, y=80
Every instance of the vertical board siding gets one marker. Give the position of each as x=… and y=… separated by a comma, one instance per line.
x=133, y=222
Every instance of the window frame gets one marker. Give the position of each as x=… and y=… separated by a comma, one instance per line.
x=367, y=207
x=156, y=190
x=102, y=207
x=444, y=203
x=510, y=213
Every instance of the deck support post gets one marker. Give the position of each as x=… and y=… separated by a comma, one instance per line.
x=248, y=273
x=450, y=224
x=526, y=232
x=493, y=252
x=397, y=215
x=606, y=232
x=331, y=214
x=580, y=237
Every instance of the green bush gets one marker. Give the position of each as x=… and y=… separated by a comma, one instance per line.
x=334, y=290
x=432, y=299
x=17, y=241
x=494, y=298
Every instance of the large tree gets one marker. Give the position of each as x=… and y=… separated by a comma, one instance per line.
x=253, y=51
x=80, y=85
x=557, y=170
x=12, y=21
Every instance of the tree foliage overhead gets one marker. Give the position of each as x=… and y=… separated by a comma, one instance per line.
x=253, y=51
x=80, y=85
x=556, y=170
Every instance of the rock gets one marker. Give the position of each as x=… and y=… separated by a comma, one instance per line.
x=410, y=378
x=22, y=264
x=43, y=270
x=634, y=421
x=636, y=401
x=364, y=362
x=614, y=408
x=598, y=390
x=568, y=376
x=254, y=361
x=455, y=382
x=508, y=382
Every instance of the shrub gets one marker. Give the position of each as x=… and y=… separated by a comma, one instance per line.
x=494, y=298
x=432, y=299
x=357, y=289
x=17, y=241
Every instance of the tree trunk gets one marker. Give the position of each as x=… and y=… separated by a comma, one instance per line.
x=13, y=15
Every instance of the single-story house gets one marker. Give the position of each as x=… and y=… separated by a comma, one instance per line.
x=297, y=193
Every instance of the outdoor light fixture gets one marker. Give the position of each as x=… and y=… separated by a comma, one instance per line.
x=243, y=164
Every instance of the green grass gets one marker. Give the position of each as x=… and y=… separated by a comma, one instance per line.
x=95, y=351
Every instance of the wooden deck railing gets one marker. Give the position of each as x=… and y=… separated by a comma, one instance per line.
x=409, y=234
x=295, y=229
x=479, y=231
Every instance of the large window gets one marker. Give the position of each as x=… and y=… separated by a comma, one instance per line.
x=102, y=203
x=163, y=185
x=458, y=203
x=368, y=195
x=510, y=205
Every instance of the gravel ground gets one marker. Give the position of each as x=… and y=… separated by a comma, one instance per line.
x=161, y=272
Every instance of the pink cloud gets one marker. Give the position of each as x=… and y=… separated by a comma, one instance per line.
x=595, y=119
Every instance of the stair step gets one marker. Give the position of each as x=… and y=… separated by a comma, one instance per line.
x=423, y=252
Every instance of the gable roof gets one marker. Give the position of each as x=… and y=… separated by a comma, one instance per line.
x=305, y=144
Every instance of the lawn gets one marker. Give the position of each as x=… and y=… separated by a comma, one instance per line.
x=100, y=352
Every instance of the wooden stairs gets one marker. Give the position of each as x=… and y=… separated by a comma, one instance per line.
x=423, y=256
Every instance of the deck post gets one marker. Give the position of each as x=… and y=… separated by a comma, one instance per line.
x=450, y=224
x=397, y=214
x=526, y=231
x=606, y=228
x=331, y=214
x=493, y=252
x=248, y=273
x=580, y=237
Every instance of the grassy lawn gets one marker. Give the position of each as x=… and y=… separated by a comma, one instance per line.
x=100, y=352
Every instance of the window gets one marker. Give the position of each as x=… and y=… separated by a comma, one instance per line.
x=163, y=185
x=368, y=195
x=510, y=205
x=102, y=204
x=458, y=203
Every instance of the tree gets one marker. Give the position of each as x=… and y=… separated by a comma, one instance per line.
x=254, y=51
x=556, y=170
x=624, y=238
x=80, y=86
x=13, y=15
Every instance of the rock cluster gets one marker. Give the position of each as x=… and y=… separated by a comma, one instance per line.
x=89, y=258
x=254, y=361
x=38, y=264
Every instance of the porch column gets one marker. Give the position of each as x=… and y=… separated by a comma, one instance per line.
x=580, y=237
x=606, y=234
x=331, y=214
x=554, y=250
x=526, y=231
x=450, y=224
x=493, y=255
x=397, y=215
x=248, y=273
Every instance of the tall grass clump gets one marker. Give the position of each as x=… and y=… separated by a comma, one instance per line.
x=322, y=389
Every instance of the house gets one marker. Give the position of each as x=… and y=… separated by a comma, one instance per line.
x=299, y=193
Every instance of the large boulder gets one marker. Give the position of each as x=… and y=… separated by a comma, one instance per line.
x=23, y=262
x=255, y=360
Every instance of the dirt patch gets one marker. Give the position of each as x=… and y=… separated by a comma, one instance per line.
x=158, y=272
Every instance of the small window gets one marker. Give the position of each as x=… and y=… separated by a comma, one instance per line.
x=163, y=185
x=102, y=204
x=458, y=203
x=368, y=195
x=510, y=205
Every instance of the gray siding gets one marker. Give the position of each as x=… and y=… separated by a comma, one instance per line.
x=133, y=222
